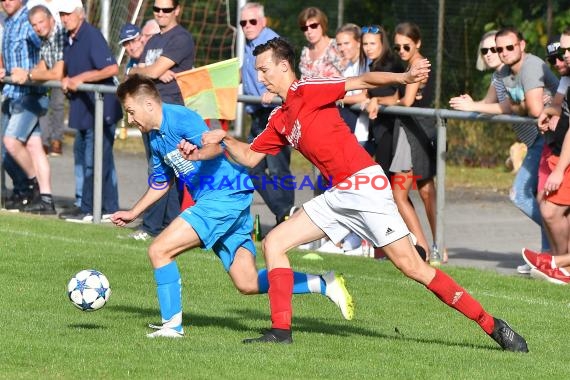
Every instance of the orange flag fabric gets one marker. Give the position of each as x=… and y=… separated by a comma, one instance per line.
x=211, y=90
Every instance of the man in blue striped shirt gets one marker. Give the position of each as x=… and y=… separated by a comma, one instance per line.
x=21, y=109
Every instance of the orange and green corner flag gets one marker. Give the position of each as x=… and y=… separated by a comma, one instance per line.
x=211, y=90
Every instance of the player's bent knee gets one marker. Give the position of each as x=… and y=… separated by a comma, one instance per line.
x=247, y=289
x=156, y=254
x=270, y=245
x=245, y=284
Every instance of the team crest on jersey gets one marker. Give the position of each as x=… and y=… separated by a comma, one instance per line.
x=295, y=134
x=181, y=167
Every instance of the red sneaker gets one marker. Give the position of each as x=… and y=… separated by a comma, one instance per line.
x=536, y=259
x=554, y=276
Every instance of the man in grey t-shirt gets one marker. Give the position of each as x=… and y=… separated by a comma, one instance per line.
x=528, y=82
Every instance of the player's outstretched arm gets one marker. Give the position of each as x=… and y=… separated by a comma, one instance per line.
x=152, y=195
x=418, y=72
x=239, y=150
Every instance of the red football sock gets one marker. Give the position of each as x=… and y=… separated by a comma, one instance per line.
x=453, y=295
x=280, y=296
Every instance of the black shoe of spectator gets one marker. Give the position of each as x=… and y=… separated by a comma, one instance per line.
x=39, y=207
x=75, y=212
x=15, y=202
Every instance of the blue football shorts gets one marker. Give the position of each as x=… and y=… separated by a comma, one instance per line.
x=224, y=224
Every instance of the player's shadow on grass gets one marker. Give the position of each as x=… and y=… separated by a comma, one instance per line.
x=86, y=326
x=233, y=320
x=189, y=319
x=325, y=327
x=316, y=326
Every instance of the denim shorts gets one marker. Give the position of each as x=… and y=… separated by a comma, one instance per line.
x=20, y=117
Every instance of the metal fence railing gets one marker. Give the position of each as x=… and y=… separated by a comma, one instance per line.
x=441, y=116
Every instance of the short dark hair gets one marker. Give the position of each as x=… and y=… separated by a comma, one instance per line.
x=39, y=8
x=509, y=29
x=281, y=50
x=138, y=85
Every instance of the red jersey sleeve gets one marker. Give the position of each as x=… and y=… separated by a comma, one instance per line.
x=322, y=91
x=270, y=141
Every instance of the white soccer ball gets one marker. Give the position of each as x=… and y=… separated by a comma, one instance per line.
x=89, y=290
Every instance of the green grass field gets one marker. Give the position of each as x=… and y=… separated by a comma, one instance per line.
x=400, y=330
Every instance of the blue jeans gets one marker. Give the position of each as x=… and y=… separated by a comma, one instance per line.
x=20, y=120
x=523, y=192
x=274, y=168
x=83, y=150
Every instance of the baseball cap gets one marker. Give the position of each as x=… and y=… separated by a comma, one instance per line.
x=128, y=32
x=68, y=6
x=553, y=45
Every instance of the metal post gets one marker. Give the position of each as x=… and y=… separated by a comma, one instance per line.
x=98, y=159
x=240, y=44
x=105, y=18
x=340, y=16
x=440, y=184
x=439, y=55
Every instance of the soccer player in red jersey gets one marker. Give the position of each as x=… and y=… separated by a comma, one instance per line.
x=310, y=122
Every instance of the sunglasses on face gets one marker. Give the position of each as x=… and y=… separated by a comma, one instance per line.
x=252, y=21
x=561, y=51
x=553, y=58
x=156, y=9
x=406, y=47
x=314, y=25
x=484, y=51
x=370, y=29
x=500, y=49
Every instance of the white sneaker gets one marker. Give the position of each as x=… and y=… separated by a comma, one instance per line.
x=165, y=332
x=337, y=292
x=88, y=218
x=523, y=269
x=140, y=235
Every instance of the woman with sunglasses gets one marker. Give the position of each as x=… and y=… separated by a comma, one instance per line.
x=320, y=58
x=414, y=160
x=487, y=59
x=376, y=47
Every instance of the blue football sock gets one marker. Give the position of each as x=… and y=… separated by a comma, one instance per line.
x=169, y=291
x=303, y=283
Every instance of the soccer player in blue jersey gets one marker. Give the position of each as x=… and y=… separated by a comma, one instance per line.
x=220, y=219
